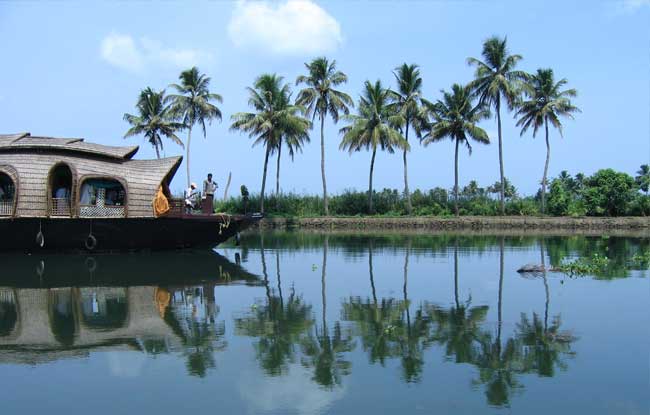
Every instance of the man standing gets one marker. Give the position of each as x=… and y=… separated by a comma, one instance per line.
x=209, y=188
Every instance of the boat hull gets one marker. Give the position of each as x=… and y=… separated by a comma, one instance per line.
x=119, y=234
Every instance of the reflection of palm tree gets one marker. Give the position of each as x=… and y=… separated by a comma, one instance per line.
x=543, y=345
x=324, y=352
x=410, y=344
x=534, y=348
x=496, y=363
x=377, y=324
x=497, y=368
x=458, y=327
x=279, y=325
x=200, y=337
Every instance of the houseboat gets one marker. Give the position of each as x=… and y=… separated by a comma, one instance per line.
x=67, y=194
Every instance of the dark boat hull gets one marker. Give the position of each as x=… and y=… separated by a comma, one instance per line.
x=120, y=234
x=169, y=269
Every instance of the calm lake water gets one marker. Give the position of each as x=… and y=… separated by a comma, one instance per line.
x=329, y=323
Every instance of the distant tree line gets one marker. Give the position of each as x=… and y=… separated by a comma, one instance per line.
x=386, y=119
x=605, y=193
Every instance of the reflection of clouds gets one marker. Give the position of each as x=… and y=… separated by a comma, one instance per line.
x=293, y=392
x=126, y=364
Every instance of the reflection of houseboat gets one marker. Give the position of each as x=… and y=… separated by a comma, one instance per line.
x=55, y=306
x=62, y=194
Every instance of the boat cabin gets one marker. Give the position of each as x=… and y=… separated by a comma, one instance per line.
x=71, y=178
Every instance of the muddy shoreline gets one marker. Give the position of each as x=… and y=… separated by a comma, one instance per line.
x=475, y=224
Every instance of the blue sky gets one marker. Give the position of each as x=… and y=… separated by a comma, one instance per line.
x=73, y=69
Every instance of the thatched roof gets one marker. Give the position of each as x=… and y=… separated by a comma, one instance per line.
x=22, y=141
x=32, y=158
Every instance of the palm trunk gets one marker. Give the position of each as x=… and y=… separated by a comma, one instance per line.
x=456, y=180
x=407, y=194
x=322, y=164
x=323, y=293
x=264, y=272
x=502, y=190
x=277, y=271
x=372, y=277
x=277, y=171
x=372, y=168
x=499, y=314
x=541, y=244
x=266, y=163
x=405, y=288
x=456, y=273
x=158, y=153
x=548, y=156
x=187, y=157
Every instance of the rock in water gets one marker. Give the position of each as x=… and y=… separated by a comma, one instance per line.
x=530, y=268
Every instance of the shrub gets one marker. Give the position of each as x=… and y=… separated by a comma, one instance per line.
x=608, y=193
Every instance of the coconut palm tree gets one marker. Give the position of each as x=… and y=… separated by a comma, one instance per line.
x=321, y=99
x=408, y=95
x=153, y=120
x=272, y=120
x=293, y=138
x=495, y=80
x=193, y=105
x=456, y=117
x=376, y=126
x=643, y=178
x=546, y=102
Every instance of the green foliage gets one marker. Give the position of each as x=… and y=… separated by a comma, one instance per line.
x=154, y=120
x=566, y=198
x=640, y=260
x=523, y=207
x=559, y=198
x=643, y=178
x=608, y=193
x=596, y=264
x=640, y=206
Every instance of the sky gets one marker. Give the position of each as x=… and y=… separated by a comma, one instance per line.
x=72, y=69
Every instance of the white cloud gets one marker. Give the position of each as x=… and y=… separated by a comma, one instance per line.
x=136, y=55
x=631, y=6
x=292, y=392
x=292, y=27
x=120, y=50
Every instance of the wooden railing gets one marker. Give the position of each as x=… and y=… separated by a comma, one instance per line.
x=176, y=207
x=60, y=206
x=100, y=209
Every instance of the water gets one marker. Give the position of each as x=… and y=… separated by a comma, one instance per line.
x=329, y=323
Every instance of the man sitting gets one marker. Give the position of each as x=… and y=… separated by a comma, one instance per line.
x=191, y=198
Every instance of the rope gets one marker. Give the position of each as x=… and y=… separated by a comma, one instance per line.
x=225, y=224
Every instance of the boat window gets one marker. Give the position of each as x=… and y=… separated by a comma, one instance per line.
x=104, y=308
x=60, y=190
x=7, y=195
x=8, y=312
x=102, y=198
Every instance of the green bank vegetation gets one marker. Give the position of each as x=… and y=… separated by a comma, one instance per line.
x=386, y=118
x=605, y=193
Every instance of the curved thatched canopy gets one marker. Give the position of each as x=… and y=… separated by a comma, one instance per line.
x=25, y=141
x=31, y=159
